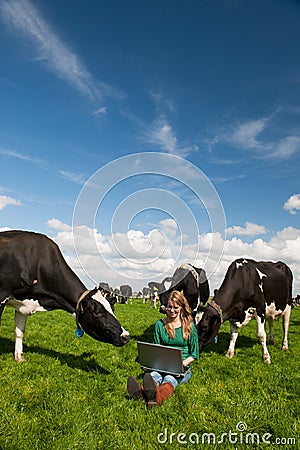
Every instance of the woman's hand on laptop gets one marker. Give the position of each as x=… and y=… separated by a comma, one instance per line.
x=187, y=361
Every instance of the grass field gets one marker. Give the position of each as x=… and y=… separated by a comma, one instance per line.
x=71, y=393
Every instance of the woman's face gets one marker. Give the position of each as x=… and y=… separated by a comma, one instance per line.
x=173, y=310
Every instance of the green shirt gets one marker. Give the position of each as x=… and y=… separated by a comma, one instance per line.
x=189, y=347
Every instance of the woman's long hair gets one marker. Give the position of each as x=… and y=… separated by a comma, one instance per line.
x=185, y=315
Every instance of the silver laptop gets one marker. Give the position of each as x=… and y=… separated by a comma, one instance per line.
x=161, y=358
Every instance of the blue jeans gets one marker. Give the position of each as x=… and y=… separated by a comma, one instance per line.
x=160, y=378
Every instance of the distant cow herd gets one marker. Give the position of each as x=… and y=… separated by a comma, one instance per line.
x=35, y=277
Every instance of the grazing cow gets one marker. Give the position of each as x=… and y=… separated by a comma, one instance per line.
x=192, y=281
x=146, y=294
x=157, y=288
x=117, y=294
x=105, y=288
x=35, y=277
x=250, y=289
x=107, y=293
x=126, y=293
x=296, y=300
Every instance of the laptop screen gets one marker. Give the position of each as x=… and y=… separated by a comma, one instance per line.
x=161, y=358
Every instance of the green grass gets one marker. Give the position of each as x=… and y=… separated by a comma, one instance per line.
x=71, y=393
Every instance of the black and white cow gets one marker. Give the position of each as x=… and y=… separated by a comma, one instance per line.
x=192, y=282
x=250, y=289
x=146, y=294
x=105, y=288
x=117, y=294
x=126, y=293
x=156, y=288
x=107, y=292
x=296, y=300
x=35, y=277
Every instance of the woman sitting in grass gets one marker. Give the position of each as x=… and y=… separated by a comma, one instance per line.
x=176, y=330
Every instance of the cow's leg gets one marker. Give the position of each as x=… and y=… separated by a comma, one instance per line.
x=261, y=334
x=271, y=327
x=20, y=325
x=285, y=326
x=233, y=338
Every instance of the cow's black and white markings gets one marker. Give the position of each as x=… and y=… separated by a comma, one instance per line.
x=34, y=277
x=155, y=288
x=146, y=293
x=296, y=300
x=192, y=282
x=125, y=293
x=250, y=289
x=107, y=292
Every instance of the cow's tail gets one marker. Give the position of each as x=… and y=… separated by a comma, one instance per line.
x=2, y=306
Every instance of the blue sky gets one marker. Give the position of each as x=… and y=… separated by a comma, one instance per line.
x=91, y=89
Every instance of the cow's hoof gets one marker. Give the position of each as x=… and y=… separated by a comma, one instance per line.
x=271, y=341
x=267, y=359
x=20, y=358
x=284, y=347
x=229, y=355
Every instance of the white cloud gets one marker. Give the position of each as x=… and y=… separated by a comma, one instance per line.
x=287, y=146
x=163, y=135
x=23, y=16
x=101, y=111
x=74, y=177
x=144, y=258
x=70, y=176
x=141, y=248
x=5, y=201
x=56, y=224
x=288, y=233
x=292, y=204
x=88, y=241
x=250, y=229
x=169, y=226
x=248, y=135
x=161, y=102
x=21, y=156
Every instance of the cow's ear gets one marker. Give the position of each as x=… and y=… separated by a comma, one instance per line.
x=94, y=308
x=85, y=304
x=216, y=321
x=90, y=304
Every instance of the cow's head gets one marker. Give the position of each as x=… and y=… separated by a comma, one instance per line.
x=95, y=316
x=208, y=321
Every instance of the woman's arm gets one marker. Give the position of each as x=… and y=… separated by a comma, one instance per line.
x=157, y=333
x=193, y=347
